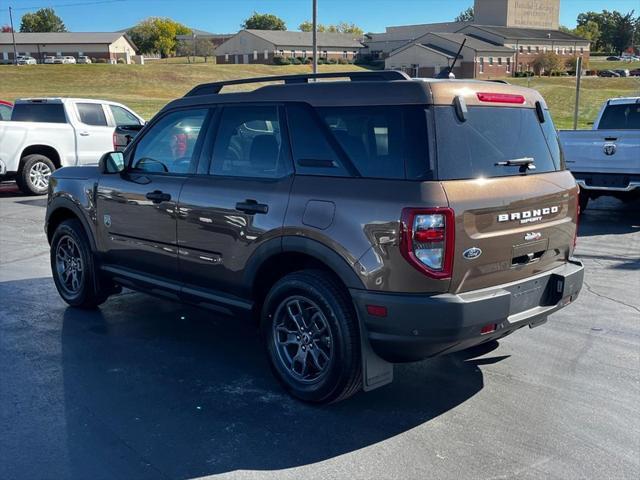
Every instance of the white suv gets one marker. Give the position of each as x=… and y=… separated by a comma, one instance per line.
x=64, y=59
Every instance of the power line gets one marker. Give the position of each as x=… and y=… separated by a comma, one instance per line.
x=63, y=5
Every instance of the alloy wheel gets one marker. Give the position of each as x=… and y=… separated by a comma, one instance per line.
x=302, y=338
x=39, y=175
x=69, y=265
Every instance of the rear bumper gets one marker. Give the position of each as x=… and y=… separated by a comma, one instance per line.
x=418, y=327
x=607, y=182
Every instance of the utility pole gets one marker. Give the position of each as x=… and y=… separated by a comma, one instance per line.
x=578, y=78
x=315, y=36
x=13, y=35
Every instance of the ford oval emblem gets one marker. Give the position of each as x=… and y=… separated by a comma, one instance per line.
x=471, y=253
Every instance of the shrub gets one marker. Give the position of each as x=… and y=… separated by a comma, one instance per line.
x=295, y=61
x=332, y=61
x=322, y=60
x=280, y=60
x=121, y=61
x=343, y=61
x=102, y=60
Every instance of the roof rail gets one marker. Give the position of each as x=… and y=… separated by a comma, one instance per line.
x=371, y=76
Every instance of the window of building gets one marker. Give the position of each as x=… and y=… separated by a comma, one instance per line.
x=169, y=145
x=581, y=50
x=499, y=60
x=537, y=49
x=528, y=48
x=255, y=55
x=521, y=49
x=325, y=54
x=266, y=54
x=226, y=57
x=293, y=53
x=481, y=70
x=490, y=60
x=92, y=114
x=304, y=54
x=249, y=144
x=508, y=65
x=345, y=54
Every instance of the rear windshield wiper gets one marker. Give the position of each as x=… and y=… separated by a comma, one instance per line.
x=526, y=162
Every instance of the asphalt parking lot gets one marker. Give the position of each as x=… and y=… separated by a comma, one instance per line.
x=144, y=388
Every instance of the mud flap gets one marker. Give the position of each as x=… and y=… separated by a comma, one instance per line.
x=376, y=372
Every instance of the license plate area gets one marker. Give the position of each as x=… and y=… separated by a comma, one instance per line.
x=535, y=293
x=611, y=181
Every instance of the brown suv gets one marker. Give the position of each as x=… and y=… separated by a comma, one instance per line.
x=364, y=222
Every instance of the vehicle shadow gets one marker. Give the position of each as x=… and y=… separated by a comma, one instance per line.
x=609, y=216
x=151, y=386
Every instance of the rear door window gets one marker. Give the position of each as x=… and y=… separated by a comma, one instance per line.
x=123, y=117
x=473, y=148
x=620, y=117
x=39, y=112
x=249, y=143
x=5, y=112
x=92, y=114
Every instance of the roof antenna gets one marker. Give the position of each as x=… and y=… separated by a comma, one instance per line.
x=447, y=73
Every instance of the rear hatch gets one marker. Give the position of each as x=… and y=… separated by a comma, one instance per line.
x=515, y=207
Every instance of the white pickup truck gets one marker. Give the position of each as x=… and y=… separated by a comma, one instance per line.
x=48, y=133
x=606, y=159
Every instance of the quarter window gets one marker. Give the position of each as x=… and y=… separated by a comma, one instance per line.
x=249, y=144
x=92, y=114
x=170, y=144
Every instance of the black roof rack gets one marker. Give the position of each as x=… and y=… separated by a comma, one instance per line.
x=371, y=76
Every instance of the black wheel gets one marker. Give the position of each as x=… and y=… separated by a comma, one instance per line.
x=33, y=178
x=312, y=337
x=73, y=267
x=583, y=200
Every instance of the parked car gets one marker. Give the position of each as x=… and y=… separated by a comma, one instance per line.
x=49, y=133
x=622, y=72
x=323, y=209
x=49, y=60
x=608, y=73
x=635, y=72
x=84, y=59
x=613, y=59
x=606, y=159
x=5, y=110
x=64, y=59
x=26, y=60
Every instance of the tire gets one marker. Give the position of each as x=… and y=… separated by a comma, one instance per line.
x=317, y=359
x=583, y=200
x=73, y=267
x=33, y=177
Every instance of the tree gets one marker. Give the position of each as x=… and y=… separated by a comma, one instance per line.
x=547, y=62
x=589, y=31
x=622, y=33
x=342, y=27
x=264, y=21
x=465, y=15
x=157, y=35
x=44, y=20
x=571, y=62
x=6, y=29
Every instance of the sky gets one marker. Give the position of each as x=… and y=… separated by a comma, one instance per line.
x=225, y=16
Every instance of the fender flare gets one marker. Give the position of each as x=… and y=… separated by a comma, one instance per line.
x=67, y=204
x=306, y=246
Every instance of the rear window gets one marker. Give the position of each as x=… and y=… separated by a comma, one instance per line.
x=620, y=117
x=39, y=112
x=471, y=149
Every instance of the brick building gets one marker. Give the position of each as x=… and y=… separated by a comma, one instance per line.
x=261, y=46
x=110, y=46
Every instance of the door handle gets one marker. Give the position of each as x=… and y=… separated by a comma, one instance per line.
x=251, y=207
x=84, y=134
x=610, y=139
x=158, y=197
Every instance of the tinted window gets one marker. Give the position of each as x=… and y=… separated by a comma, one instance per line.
x=382, y=141
x=311, y=150
x=39, y=112
x=490, y=135
x=249, y=144
x=5, y=112
x=92, y=114
x=551, y=135
x=169, y=145
x=620, y=117
x=123, y=117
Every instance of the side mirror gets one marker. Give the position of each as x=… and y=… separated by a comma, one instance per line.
x=111, y=162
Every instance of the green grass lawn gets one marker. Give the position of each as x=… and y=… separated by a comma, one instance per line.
x=595, y=63
x=146, y=88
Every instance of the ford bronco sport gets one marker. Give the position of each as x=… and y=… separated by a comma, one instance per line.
x=365, y=222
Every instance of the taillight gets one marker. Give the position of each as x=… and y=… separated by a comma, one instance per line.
x=428, y=239
x=115, y=143
x=500, y=98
